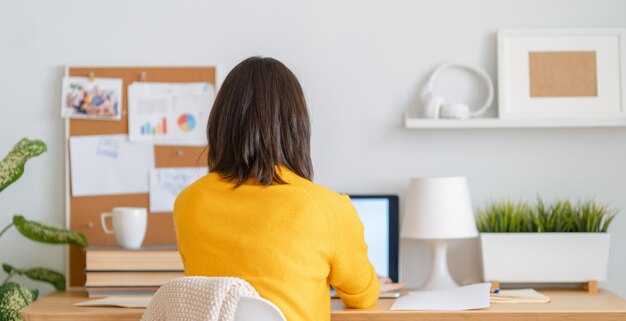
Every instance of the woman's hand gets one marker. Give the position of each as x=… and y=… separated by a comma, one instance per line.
x=387, y=285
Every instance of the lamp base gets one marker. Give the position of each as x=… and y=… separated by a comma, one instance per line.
x=439, y=277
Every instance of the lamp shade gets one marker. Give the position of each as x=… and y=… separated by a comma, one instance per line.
x=439, y=208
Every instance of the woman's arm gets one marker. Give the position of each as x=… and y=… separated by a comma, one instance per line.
x=351, y=273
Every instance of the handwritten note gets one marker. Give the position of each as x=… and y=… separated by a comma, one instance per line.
x=109, y=164
x=166, y=183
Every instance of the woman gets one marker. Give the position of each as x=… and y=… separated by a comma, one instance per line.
x=258, y=216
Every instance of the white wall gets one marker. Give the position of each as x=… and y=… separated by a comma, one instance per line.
x=360, y=63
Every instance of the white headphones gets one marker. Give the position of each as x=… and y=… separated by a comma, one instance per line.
x=436, y=106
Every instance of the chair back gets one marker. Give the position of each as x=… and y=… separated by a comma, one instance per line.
x=257, y=309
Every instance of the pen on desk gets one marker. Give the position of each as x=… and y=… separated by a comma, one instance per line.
x=495, y=291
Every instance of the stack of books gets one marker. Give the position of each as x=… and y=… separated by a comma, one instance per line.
x=112, y=271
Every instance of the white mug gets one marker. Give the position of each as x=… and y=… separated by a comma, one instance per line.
x=129, y=225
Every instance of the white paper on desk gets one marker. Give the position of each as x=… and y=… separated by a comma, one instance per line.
x=166, y=183
x=118, y=301
x=519, y=296
x=169, y=113
x=469, y=297
x=108, y=165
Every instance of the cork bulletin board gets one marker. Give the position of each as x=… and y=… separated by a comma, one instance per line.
x=83, y=213
x=563, y=74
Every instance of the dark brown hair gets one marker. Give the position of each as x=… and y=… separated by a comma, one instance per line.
x=259, y=121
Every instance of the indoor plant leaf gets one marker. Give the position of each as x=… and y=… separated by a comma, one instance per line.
x=12, y=166
x=13, y=298
x=54, y=278
x=48, y=233
x=8, y=269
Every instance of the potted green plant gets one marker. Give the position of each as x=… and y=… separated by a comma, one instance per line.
x=14, y=297
x=555, y=243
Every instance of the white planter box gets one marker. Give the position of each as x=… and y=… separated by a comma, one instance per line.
x=545, y=257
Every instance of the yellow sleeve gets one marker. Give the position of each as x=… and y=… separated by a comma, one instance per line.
x=351, y=273
x=179, y=226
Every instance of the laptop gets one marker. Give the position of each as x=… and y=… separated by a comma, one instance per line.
x=379, y=214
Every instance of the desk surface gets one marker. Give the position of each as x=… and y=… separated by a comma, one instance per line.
x=569, y=305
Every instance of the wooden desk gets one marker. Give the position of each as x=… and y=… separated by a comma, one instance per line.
x=565, y=305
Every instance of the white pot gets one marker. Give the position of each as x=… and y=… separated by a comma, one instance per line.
x=545, y=257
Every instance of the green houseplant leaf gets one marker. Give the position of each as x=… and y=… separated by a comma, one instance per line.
x=12, y=166
x=48, y=233
x=55, y=278
x=13, y=298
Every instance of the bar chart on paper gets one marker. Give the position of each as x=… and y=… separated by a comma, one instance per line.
x=169, y=113
x=160, y=128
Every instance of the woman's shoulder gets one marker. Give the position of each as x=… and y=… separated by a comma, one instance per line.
x=325, y=196
x=195, y=189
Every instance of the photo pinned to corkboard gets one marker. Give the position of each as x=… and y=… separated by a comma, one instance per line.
x=91, y=98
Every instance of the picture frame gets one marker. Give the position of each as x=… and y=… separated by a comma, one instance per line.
x=562, y=73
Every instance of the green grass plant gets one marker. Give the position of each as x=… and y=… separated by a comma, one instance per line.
x=594, y=217
x=560, y=216
x=505, y=216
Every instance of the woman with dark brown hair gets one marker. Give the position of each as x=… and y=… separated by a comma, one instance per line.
x=258, y=216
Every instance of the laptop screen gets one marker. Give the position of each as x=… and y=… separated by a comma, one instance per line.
x=379, y=215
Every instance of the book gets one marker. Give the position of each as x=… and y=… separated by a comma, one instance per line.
x=98, y=294
x=519, y=296
x=131, y=278
x=118, y=302
x=156, y=258
x=103, y=291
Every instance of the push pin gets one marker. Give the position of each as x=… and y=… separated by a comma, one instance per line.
x=92, y=76
x=143, y=76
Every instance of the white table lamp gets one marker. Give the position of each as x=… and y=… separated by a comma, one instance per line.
x=439, y=209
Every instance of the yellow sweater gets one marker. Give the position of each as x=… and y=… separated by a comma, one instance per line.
x=289, y=241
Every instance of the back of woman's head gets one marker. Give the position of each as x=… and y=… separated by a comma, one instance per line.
x=259, y=121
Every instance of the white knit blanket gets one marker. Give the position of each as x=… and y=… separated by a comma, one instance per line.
x=198, y=298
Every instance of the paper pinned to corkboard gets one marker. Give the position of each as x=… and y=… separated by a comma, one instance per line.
x=563, y=74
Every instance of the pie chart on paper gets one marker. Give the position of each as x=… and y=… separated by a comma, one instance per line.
x=186, y=122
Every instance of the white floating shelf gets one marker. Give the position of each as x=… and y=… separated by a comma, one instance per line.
x=497, y=123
